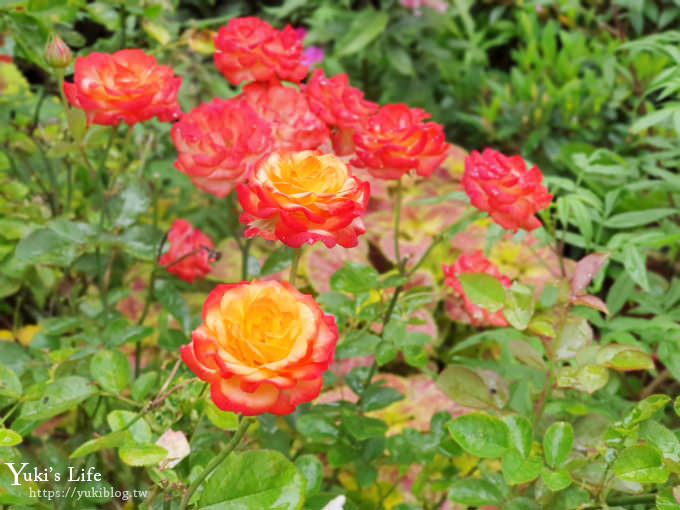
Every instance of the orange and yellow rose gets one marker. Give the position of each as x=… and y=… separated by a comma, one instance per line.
x=303, y=197
x=262, y=346
x=127, y=85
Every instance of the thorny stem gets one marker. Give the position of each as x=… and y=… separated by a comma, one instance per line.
x=215, y=462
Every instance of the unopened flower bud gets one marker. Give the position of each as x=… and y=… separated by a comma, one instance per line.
x=57, y=53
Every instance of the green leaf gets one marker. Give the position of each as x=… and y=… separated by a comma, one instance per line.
x=111, y=369
x=139, y=430
x=278, y=260
x=111, y=440
x=521, y=433
x=474, y=492
x=519, y=306
x=317, y=427
x=641, y=463
x=588, y=378
x=142, y=454
x=638, y=218
x=385, y=352
x=645, y=409
x=575, y=335
x=517, y=470
x=661, y=437
x=143, y=385
x=366, y=26
x=355, y=278
x=312, y=469
x=9, y=438
x=224, y=420
x=174, y=303
x=77, y=123
x=635, y=264
x=483, y=290
x=556, y=480
x=60, y=396
x=44, y=246
x=676, y=405
x=10, y=385
x=624, y=358
x=363, y=344
x=132, y=201
x=464, y=386
x=277, y=486
x=666, y=500
x=557, y=442
x=377, y=397
x=400, y=59
x=480, y=434
x=363, y=427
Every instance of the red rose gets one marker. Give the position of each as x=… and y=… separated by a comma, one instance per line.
x=340, y=106
x=294, y=126
x=185, y=239
x=303, y=197
x=505, y=189
x=218, y=144
x=396, y=140
x=263, y=347
x=475, y=263
x=127, y=86
x=249, y=49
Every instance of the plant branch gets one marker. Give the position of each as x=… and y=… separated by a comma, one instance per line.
x=216, y=461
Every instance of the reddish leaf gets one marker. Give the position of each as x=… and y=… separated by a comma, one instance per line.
x=585, y=271
x=591, y=302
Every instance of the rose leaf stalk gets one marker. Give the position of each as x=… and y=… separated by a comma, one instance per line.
x=216, y=461
x=397, y=291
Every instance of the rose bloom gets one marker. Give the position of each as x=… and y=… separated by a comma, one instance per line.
x=340, y=106
x=184, y=239
x=475, y=263
x=396, y=140
x=263, y=347
x=293, y=125
x=505, y=189
x=218, y=144
x=127, y=86
x=304, y=197
x=249, y=49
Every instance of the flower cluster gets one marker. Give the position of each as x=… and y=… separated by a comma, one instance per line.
x=289, y=150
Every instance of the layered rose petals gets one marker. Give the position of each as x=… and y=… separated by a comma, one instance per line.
x=294, y=126
x=475, y=263
x=304, y=197
x=263, y=347
x=249, y=49
x=340, y=106
x=127, y=85
x=396, y=140
x=218, y=144
x=503, y=187
x=185, y=240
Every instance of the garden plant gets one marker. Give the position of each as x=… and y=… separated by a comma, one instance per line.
x=340, y=254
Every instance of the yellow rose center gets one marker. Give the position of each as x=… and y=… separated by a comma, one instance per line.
x=306, y=172
x=258, y=324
